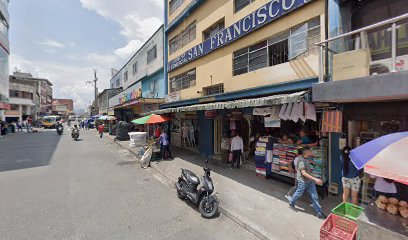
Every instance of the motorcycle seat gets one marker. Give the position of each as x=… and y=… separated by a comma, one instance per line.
x=191, y=177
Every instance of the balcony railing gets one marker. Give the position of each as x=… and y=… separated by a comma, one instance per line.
x=376, y=49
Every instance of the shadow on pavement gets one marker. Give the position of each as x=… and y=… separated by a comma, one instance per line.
x=21, y=151
x=246, y=176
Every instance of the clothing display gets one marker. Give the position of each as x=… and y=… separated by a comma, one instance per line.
x=263, y=150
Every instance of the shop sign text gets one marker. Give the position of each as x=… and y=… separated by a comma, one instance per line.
x=133, y=95
x=272, y=122
x=264, y=15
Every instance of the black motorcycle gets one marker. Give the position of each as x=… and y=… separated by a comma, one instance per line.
x=75, y=134
x=60, y=129
x=187, y=189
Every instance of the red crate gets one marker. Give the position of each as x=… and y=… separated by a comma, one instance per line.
x=338, y=228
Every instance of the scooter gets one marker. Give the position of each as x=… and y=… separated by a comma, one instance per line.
x=187, y=189
x=60, y=129
x=75, y=134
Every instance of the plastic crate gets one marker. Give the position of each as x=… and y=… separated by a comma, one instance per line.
x=338, y=228
x=348, y=210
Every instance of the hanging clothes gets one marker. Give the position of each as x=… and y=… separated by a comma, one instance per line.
x=332, y=121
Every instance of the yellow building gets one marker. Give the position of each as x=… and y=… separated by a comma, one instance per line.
x=220, y=51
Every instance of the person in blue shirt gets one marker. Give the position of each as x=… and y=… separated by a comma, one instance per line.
x=303, y=138
x=164, y=144
x=351, y=180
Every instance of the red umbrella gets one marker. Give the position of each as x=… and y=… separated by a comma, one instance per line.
x=151, y=119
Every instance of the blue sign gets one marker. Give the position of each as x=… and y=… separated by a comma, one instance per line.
x=264, y=15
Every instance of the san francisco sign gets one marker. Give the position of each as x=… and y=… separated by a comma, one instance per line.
x=264, y=15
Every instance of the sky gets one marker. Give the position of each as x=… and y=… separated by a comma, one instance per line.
x=64, y=40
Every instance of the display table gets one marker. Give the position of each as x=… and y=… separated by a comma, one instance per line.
x=374, y=223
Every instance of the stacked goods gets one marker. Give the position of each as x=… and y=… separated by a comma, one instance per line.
x=283, y=156
x=316, y=164
x=392, y=205
x=260, y=156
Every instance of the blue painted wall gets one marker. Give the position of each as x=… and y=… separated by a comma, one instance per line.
x=206, y=134
x=336, y=166
x=160, y=85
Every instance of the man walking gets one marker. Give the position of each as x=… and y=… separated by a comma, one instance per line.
x=306, y=183
x=237, y=149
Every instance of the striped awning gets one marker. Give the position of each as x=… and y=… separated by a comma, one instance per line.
x=241, y=103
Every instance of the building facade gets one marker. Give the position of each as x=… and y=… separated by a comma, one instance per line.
x=103, y=99
x=365, y=75
x=63, y=107
x=4, y=58
x=143, y=81
x=23, y=99
x=221, y=52
x=44, y=92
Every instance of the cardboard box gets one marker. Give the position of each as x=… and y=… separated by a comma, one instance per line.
x=352, y=64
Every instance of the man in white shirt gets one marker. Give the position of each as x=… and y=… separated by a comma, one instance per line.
x=237, y=148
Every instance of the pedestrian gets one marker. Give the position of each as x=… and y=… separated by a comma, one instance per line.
x=86, y=124
x=350, y=177
x=100, y=130
x=157, y=132
x=19, y=126
x=306, y=183
x=293, y=189
x=164, y=145
x=237, y=149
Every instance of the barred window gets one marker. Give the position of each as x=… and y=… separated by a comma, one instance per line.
x=240, y=4
x=276, y=49
x=151, y=54
x=174, y=4
x=214, y=29
x=215, y=89
x=182, y=39
x=183, y=81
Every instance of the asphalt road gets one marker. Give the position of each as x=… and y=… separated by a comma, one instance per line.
x=52, y=187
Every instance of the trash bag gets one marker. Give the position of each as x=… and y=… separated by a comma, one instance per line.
x=122, y=130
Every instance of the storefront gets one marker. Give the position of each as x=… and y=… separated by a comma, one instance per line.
x=184, y=130
x=368, y=121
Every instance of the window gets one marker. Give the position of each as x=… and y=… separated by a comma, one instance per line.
x=215, y=89
x=276, y=50
x=279, y=49
x=240, y=4
x=151, y=54
x=125, y=76
x=184, y=38
x=134, y=68
x=183, y=81
x=13, y=93
x=214, y=29
x=117, y=82
x=174, y=4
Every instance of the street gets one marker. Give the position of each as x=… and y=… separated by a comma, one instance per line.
x=52, y=187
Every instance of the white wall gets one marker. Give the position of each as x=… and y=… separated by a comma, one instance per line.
x=144, y=69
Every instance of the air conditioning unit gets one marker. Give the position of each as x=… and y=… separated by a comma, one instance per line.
x=385, y=65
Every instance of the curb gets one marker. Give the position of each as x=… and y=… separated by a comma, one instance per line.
x=228, y=213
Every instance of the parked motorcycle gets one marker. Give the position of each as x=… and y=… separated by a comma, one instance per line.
x=75, y=134
x=60, y=128
x=187, y=189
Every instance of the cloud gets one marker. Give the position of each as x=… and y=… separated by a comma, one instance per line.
x=51, y=43
x=128, y=50
x=138, y=20
x=68, y=81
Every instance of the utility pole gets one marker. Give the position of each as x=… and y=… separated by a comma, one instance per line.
x=94, y=83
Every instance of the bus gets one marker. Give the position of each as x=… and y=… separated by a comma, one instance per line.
x=50, y=121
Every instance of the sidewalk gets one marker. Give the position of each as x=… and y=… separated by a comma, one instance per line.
x=257, y=204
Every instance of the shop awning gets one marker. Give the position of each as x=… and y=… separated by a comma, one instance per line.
x=241, y=103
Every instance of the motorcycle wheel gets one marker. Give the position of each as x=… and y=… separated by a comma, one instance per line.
x=182, y=185
x=208, y=211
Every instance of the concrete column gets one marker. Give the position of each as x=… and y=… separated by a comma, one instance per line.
x=20, y=109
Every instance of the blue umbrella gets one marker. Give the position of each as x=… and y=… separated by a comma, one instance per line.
x=386, y=156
